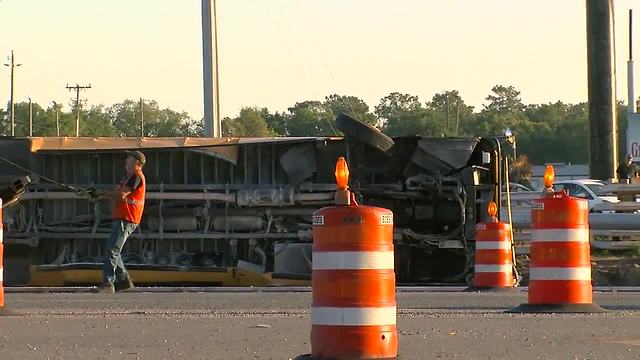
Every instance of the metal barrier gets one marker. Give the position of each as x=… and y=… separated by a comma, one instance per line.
x=613, y=226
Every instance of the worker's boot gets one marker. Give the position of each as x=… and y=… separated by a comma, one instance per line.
x=124, y=284
x=106, y=289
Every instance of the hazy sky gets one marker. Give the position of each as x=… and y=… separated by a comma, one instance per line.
x=276, y=52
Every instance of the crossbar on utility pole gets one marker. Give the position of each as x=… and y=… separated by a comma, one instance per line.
x=13, y=65
x=77, y=88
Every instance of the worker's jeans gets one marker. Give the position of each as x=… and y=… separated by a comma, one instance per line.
x=113, y=269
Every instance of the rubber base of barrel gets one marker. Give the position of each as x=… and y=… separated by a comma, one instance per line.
x=558, y=308
x=489, y=289
x=309, y=357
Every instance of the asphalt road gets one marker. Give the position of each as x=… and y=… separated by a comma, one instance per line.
x=275, y=325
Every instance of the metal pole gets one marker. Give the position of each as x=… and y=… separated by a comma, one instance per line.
x=209, y=48
x=141, y=117
x=30, y=118
x=602, y=94
x=218, y=119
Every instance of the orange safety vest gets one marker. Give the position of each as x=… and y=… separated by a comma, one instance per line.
x=130, y=208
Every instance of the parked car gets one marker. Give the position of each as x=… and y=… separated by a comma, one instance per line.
x=591, y=190
x=515, y=187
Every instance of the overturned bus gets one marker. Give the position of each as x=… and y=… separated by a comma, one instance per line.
x=238, y=211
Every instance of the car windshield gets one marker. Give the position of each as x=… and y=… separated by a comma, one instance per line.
x=598, y=189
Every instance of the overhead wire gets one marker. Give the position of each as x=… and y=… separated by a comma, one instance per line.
x=299, y=45
x=314, y=42
x=290, y=51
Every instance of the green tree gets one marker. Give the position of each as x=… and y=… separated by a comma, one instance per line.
x=395, y=103
x=250, y=123
x=96, y=122
x=311, y=118
x=352, y=106
x=456, y=113
x=125, y=118
x=504, y=99
x=277, y=121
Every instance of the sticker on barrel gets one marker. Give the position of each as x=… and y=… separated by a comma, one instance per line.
x=537, y=205
x=386, y=219
x=318, y=220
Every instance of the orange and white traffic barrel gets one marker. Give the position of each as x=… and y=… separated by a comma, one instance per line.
x=493, y=266
x=353, y=313
x=560, y=267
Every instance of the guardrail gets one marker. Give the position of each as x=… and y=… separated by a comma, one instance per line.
x=614, y=226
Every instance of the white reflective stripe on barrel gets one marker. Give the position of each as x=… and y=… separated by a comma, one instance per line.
x=493, y=245
x=353, y=260
x=353, y=316
x=500, y=268
x=560, y=235
x=1, y=236
x=1, y=274
x=560, y=273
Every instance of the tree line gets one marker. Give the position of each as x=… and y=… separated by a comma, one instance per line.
x=552, y=132
x=118, y=120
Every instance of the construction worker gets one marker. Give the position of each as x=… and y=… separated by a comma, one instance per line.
x=627, y=170
x=128, y=200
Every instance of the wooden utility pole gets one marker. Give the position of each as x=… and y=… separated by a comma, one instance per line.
x=77, y=89
x=56, y=109
x=12, y=64
x=30, y=118
x=141, y=117
x=603, y=147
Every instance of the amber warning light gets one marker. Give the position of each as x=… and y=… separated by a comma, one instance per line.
x=492, y=209
x=549, y=176
x=342, y=174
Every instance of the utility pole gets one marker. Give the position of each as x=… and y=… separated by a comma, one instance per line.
x=457, y=116
x=141, y=117
x=603, y=154
x=30, y=118
x=631, y=99
x=447, y=104
x=210, y=74
x=13, y=65
x=56, y=109
x=77, y=89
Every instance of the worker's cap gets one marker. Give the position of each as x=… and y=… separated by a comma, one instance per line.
x=138, y=155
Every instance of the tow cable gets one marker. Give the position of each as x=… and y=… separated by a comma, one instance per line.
x=11, y=194
x=62, y=185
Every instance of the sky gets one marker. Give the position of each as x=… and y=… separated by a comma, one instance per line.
x=274, y=53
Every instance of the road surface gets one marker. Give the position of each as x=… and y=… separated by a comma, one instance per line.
x=255, y=324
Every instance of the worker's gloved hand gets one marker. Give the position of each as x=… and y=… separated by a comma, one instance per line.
x=95, y=194
x=82, y=193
